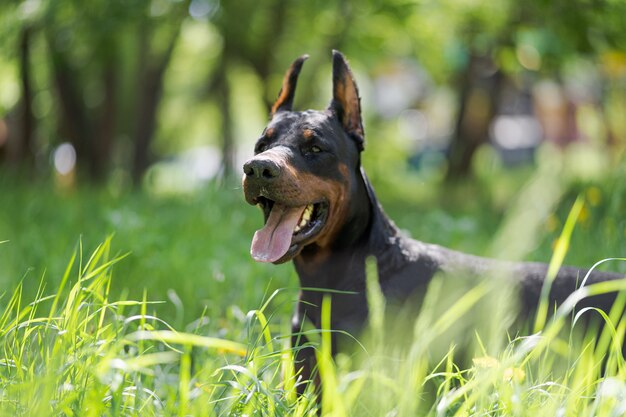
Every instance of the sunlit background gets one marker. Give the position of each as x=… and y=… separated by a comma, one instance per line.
x=132, y=92
x=134, y=117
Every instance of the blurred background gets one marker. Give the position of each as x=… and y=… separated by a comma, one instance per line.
x=133, y=117
x=101, y=91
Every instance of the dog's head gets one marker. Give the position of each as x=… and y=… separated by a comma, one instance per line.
x=305, y=168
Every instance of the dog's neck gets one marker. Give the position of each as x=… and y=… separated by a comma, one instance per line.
x=366, y=231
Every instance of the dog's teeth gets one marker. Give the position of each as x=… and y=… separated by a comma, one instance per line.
x=303, y=221
x=306, y=216
x=307, y=212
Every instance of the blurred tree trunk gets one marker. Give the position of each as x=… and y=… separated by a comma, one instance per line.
x=150, y=89
x=479, y=86
x=223, y=92
x=74, y=123
x=20, y=150
x=107, y=124
x=263, y=59
x=92, y=134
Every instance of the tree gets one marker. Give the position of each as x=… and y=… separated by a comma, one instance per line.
x=114, y=36
x=95, y=50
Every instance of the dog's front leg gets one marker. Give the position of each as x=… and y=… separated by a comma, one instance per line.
x=305, y=362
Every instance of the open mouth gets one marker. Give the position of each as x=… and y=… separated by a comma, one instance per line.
x=286, y=228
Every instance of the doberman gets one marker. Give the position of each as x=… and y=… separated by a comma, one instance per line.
x=321, y=212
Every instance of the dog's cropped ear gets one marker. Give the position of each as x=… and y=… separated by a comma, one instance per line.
x=346, y=102
x=284, y=102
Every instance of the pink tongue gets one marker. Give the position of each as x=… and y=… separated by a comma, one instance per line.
x=272, y=242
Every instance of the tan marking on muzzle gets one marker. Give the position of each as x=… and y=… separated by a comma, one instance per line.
x=313, y=189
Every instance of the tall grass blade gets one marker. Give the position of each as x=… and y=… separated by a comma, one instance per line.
x=560, y=251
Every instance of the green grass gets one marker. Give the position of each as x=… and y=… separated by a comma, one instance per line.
x=188, y=250
x=81, y=352
x=170, y=316
x=78, y=352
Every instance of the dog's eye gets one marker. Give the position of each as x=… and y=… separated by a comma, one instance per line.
x=312, y=150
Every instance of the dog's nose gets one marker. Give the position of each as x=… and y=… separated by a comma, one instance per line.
x=261, y=169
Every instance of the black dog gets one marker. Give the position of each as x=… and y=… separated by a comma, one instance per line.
x=321, y=212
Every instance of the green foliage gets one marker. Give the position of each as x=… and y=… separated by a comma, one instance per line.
x=226, y=66
x=194, y=245
x=197, y=244
x=161, y=328
x=81, y=351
